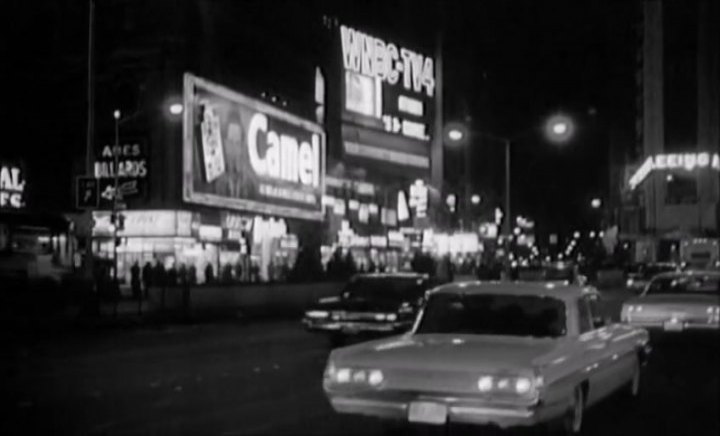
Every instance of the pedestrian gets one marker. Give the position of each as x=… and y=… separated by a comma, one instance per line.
x=171, y=276
x=185, y=285
x=135, y=280
x=209, y=274
x=159, y=280
x=147, y=274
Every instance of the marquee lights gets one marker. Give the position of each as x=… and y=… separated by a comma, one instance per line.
x=674, y=161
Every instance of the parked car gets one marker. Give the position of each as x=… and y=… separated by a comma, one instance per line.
x=382, y=303
x=676, y=302
x=639, y=275
x=507, y=354
x=558, y=272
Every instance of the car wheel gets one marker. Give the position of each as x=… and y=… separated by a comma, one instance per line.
x=632, y=390
x=573, y=419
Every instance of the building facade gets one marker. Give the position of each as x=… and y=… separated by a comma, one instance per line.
x=674, y=187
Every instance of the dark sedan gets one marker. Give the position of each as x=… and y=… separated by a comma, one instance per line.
x=370, y=304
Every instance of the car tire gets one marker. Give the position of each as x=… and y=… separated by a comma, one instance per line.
x=631, y=391
x=570, y=423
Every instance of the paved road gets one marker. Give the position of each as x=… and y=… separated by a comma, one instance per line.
x=263, y=378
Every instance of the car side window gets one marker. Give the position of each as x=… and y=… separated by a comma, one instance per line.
x=584, y=317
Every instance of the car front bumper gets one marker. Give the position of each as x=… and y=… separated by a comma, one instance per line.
x=353, y=327
x=463, y=411
x=669, y=325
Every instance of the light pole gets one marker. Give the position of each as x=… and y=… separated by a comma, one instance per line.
x=558, y=129
x=116, y=221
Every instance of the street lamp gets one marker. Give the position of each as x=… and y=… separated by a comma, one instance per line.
x=475, y=199
x=596, y=203
x=176, y=108
x=558, y=129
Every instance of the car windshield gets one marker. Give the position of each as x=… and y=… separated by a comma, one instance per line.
x=494, y=314
x=384, y=288
x=696, y=284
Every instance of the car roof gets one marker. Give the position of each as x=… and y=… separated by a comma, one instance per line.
x=390, y=275
x=560, y=291
x=688, y=273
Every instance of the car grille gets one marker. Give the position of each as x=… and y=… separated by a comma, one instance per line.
x=354, y=316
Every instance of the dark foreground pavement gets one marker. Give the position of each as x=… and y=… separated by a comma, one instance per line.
x=264, y=378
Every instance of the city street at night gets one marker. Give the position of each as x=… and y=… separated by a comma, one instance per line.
x=264, y=377
x=360, y=217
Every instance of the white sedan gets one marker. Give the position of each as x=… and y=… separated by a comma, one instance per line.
x=504, y=354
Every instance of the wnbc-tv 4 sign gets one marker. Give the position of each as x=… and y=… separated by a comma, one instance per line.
x=129, y=162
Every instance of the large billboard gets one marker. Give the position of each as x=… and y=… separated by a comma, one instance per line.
x=244, y=154
x=387, y=101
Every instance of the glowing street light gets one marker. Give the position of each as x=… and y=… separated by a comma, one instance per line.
x=455, y=135
x=596, y=203
x=576, y=235
x=559, y=128
x=176, y=108
x=116, y=114
x=475, y=199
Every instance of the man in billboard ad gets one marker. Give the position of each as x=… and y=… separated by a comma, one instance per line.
x=240, y=153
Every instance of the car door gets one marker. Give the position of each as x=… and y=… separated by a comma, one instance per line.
x=618, y=357
x=591, y=347
x=597, y=351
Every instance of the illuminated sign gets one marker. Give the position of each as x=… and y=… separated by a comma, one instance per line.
x=129, y=162
x=674, y=161
x=419, y=198
x=12, y=187
x=387, y=101
x=210, y=233
x=268, y=228
x=145, y=223
x=244, y=154
x=375, y=58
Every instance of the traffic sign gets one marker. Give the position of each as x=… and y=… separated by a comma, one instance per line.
x=87, y=193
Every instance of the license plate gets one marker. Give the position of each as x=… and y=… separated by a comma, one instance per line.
x=427, y=413
x=672, y=326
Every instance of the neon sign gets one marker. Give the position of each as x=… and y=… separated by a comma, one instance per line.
x=674, y=161
x=12, y=187
x=374, y=57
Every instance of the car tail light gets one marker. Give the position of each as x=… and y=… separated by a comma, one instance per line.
x=512, y=385
x=375, y=378
x=317, y=314
x=372, y=377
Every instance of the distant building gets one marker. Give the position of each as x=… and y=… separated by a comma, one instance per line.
x=672, y=191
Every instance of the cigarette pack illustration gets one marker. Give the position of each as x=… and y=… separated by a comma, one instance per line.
x=213, y=155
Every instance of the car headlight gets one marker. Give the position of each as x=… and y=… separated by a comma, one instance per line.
x=379, y=317
x=485, y=383
x=629, y=282
x=372, y=377
x=513, y=385
x=375, y=378
x=391, y=317
x=523, y=385
x=317, y=314
x=342, y=375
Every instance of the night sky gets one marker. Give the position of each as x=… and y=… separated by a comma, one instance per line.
x=508, y=65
